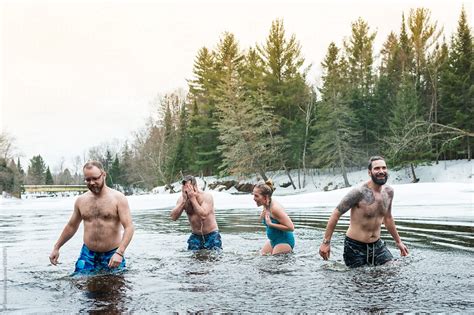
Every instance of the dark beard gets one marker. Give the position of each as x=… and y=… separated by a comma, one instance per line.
x=379, y=181
x=96, y=189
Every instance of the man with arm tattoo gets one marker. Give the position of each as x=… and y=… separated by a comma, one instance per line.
x=370, y=205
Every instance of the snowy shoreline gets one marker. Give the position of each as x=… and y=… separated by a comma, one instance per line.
x=413, y=200
x=450, y=186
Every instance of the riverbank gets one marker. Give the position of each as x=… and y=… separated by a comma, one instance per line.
x=424, y=199
x=454, y=171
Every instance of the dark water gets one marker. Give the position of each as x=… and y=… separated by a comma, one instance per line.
x=162, y=276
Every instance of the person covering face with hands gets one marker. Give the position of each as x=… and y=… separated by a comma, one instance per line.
x=199, y=207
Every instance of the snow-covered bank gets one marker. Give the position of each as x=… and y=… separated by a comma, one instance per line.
x=456, y=171
x=411, y=200
x=447, y=186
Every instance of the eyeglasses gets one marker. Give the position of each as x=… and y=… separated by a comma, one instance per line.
x=92, y=178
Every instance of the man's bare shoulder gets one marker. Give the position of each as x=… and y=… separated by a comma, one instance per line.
x=83, y=198
x=117, y=196
x=357, y=191
x=389, y=190
x=207, y=196
x=351, y=199
x=117, y=193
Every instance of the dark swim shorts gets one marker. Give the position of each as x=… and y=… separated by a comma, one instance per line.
x=357, y=254
x=208, y=241
x=91, y=262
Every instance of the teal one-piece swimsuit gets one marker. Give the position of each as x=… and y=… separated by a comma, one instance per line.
x=277, y=236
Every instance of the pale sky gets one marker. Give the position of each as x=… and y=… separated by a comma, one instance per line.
x=75, y=74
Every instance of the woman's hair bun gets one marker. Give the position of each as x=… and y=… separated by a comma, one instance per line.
x=269, y=183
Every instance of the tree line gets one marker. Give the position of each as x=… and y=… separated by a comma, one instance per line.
x=252, y=111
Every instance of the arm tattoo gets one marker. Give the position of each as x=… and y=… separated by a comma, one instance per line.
x=349, y=200
x=387, y=197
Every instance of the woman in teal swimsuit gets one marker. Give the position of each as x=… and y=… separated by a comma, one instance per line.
x=278, y=224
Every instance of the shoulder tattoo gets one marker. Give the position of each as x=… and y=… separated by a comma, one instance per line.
x=387, y=197
x=349, y=200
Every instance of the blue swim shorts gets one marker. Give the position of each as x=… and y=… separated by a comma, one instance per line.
x=208, y=241
x=357, y=254
x=91, y=262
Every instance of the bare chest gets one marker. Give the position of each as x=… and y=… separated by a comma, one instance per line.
x=373, y=204
x=92, y=210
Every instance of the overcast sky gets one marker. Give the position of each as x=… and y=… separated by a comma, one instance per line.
x=75, y=74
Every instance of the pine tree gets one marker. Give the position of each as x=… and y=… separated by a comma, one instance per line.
x=182, y=152
x=386, y=88
x=107, y=161
x=408, y=145
x=247, y=125
x=127, y=176
x=20, y=169
x=285, y=83
x=48, y=177
x=203, y=134
x=7, y=177
x=173, y=106
x=336, y=140
x=18, y=179
x=457, y=92
x=36, y=171
x=359, y=51
x=435, y=65
x=114, y=173
x=423, y=36
x=406, y=50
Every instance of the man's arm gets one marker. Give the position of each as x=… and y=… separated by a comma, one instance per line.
x=205, y=208
x=178, y=210
x=389, y=223
x=348, y=202
x=325, y=248
x=128, y=229
x=69, y=230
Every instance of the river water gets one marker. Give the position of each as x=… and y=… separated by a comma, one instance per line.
x=162, y=276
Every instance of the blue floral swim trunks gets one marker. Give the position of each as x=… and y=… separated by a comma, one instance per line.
x=208, y=241
x=90, y=261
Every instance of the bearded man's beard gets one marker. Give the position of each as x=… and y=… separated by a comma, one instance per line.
x=96, y=189
x=379, y=181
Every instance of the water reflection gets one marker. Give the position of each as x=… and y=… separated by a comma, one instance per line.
x=103, y=293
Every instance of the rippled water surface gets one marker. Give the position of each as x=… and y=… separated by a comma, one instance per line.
x=162, y=276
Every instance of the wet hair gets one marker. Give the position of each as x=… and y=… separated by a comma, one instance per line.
x=189, y=178
x=374, y=158
x=91, y=163
x=266, y=188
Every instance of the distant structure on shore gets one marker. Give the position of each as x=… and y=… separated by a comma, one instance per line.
x=38, y=191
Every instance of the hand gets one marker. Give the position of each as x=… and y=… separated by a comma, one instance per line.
x=325, y=251
x=403, y=249
x=190, y=193
x=115, y=260
x=53, y=257
x=267, y=218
